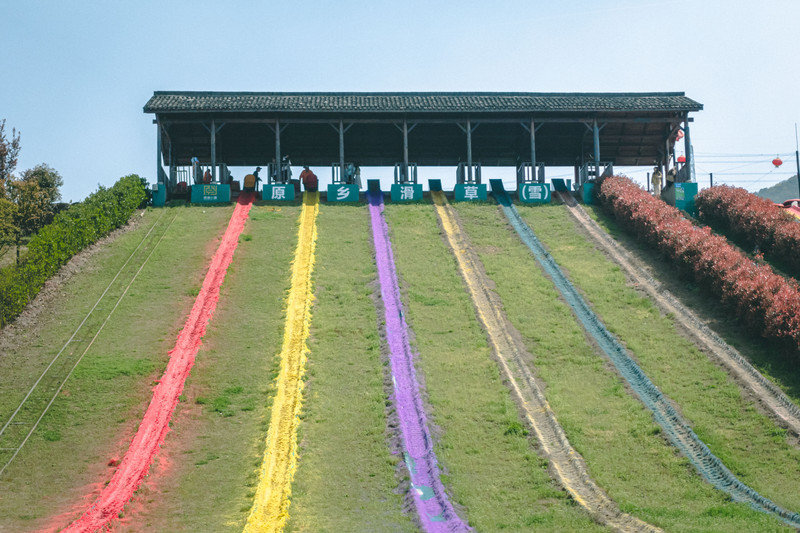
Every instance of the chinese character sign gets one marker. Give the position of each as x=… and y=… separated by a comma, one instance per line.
x=534, y=192
x=277, y=192
x=470, y=192
x=406, y=192
x=339, y=192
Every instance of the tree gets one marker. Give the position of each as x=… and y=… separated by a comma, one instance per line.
x=34, y=209
x=48, y=179
x=9, y=154
x=8, y=226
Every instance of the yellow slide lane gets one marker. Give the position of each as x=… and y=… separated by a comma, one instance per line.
x=271, y=505
x=567, y=465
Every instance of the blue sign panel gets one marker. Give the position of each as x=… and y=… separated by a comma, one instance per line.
x=277, y=193
x=343, y=192
x=534, y=193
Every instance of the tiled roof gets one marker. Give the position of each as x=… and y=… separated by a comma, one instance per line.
x=179, y=101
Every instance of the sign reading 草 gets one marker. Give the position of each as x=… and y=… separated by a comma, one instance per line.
x=342, y=192
x=467, y=192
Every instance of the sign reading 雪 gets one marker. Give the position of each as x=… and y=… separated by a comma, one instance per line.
x=343, y=192
x=466, y=192
x=277, y=193
x=534, y=193
x=406, y=192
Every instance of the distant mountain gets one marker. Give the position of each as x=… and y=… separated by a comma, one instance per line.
x=780, y=192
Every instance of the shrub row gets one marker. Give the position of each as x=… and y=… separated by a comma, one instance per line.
x=72, y=230
x=753, y=222
x=766, y=302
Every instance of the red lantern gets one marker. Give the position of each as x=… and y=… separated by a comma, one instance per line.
x=682, y=159
x=777, y=162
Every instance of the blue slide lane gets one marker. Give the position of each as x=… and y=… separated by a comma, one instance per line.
x=676, y=428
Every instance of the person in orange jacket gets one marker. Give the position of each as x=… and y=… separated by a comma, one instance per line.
x=309, y=180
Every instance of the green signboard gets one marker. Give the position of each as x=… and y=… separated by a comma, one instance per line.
x=534, y=193
x=159, y=195
x=684, y=196
x=277, y=193
x=406, y=192
x=343, y=192
x=470, y=192
x=211, y=193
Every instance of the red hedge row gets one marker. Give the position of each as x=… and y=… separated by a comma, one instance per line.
x=752, y=221
x=762, y=299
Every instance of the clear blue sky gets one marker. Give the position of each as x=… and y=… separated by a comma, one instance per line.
x=75, y=75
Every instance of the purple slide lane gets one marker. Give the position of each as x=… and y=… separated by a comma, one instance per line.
x=430, y=499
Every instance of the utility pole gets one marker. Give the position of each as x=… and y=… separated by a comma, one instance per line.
x=797, y=158
x=711, y=177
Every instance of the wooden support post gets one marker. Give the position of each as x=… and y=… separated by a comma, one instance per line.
x=533, y=151
x=213, y=150
x=596, y=134
x=687, y=142
x=278, y=170
x=469, y=151
x=159, y=170
x=171, y=164
x=405, y=152
x=341, y=150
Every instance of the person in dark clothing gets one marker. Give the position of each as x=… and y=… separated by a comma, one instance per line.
x=309, y=180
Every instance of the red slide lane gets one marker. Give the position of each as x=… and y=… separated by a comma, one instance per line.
x=155, y=424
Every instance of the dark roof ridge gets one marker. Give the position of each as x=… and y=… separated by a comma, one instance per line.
x=415, y=93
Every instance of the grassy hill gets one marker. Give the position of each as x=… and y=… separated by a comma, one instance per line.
x=780, y=192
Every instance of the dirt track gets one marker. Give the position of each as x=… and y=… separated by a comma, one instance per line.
x=567, y=465
x=769, y=396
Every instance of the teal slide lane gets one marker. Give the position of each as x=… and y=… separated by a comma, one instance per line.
x=674, y=425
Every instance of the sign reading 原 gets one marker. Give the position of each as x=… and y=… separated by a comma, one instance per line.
x=278, y=193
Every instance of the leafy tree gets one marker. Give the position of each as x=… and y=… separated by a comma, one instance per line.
x=48, y=179
x=8, y=227
x=34, y=209
x=9, y=154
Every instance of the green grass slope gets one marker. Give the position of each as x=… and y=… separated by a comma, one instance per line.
x=621, y=443
x=490, y=465
x=99, y=409
x=206, y=474
x=345, y=478
x=748, y=442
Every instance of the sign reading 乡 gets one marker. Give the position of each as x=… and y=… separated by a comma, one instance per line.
x=342, y=192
